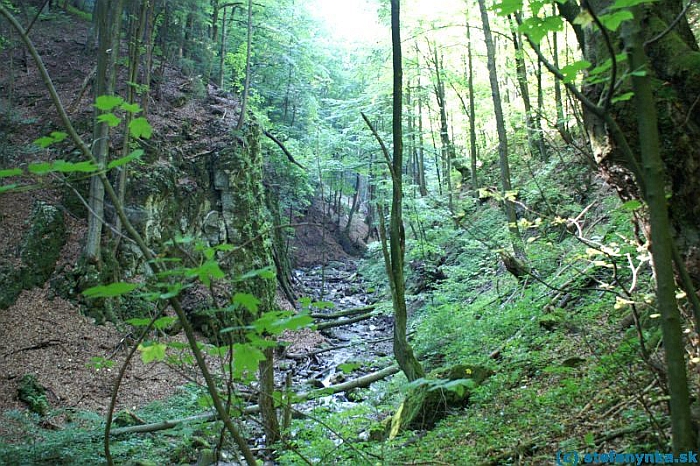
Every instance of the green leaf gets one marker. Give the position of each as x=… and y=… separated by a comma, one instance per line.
x=348, y=367
x=634, y=204
x=99, y=362
x=131, y=108
x=172, y=291
x=205, y=401
x=536, y=6
x=124, y=160
x=275, y=322
x=619, y=4
x=598, y=74
x=108, y=102
x=258, y=342
x=138, y=322
x=622, y=97
x=247, y=300
x=10, y=172
x=507, y=7
x=208, y=271
x=108, y=291
x=294, y=322
x=40, y=168
x=70, y=167
x=612, y=21
x=140, y=128
x=58, y=136
x=570, y=71
x=44, y=141
x=181, y=240
x=607, y=64
x=164, y=322
x=265, y=272
x=537, y=28
x=178, y=345
x=8, y=187
x=245, y=360
x=217, y=351
x=320, y=305
x=109, y=118
x=152, y=352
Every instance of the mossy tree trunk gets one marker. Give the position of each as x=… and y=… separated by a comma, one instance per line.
x=660, y=42
x=674, y=64
x=238, y=176
x=108, y=20
x=402, y=350
x=653, y=170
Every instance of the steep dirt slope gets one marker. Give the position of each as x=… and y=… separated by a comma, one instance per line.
x=43, y=334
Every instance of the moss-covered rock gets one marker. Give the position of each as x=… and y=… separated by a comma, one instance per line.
x=552, y=320
x=38, y=253
x=43, y=244
x=431, y=399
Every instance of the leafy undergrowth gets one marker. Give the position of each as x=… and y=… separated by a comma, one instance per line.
x=65, y=437
x=569, y=371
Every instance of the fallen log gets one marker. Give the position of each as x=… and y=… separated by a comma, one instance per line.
x=345, y=313
x=337, y=347
x=360, y=382
x=340, y=323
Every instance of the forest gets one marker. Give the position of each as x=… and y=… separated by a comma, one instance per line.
x=381, y=232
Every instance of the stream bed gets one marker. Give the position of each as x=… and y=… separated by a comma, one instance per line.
x=362, y=347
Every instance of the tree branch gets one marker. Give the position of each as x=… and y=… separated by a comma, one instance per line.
x=284, y=149
x=385, y=151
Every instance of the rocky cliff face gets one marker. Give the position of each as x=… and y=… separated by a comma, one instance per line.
x=198, y=178
x=217, y=195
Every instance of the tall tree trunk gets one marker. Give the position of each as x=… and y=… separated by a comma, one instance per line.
x=662, y=243
x=436, y=154
x=422, y=187
x=355, y=205
x=369, y=218
x=149, y=42
x=108, y=20
x=439, y=90
x=266, y=400
x=410, y=169
x=246, y=85
x=532, y=126
x=214, y=30
x=472, y=113
x=561, y=122
x=506, y=187
x=222, y=45
x=402, y=350
x=136, y=29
